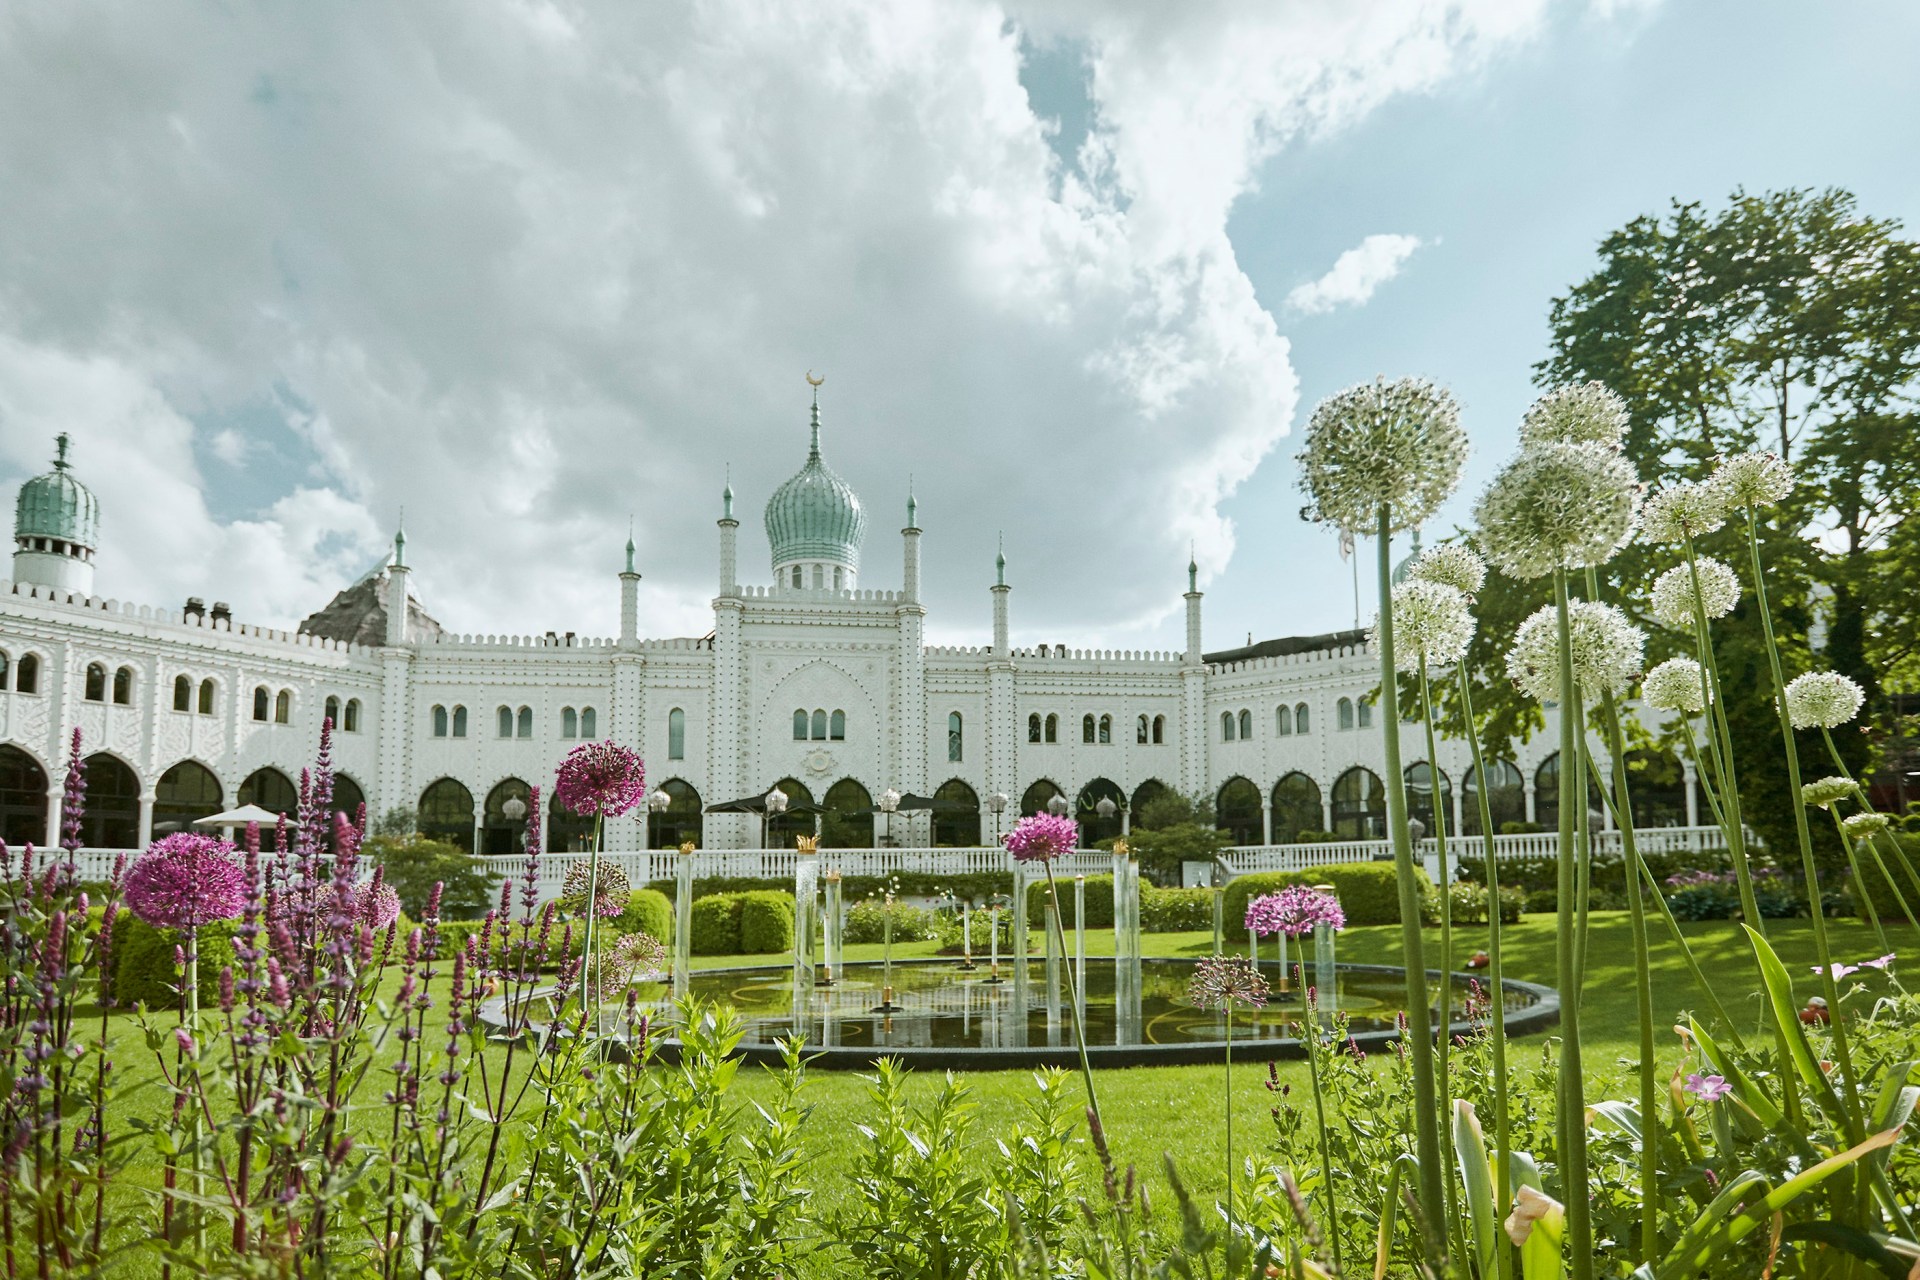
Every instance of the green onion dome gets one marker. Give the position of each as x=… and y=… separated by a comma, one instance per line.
x=56, y=505
x=816, y=517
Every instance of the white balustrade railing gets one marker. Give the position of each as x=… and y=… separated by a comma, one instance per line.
x=778, y=864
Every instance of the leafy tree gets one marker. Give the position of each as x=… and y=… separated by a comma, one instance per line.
x=1169, y=808
x=1787, y=321
x=413, y=864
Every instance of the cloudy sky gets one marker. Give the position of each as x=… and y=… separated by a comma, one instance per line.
x=1079, y=268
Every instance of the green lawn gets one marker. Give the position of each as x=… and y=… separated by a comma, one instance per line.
x=1177, y=1109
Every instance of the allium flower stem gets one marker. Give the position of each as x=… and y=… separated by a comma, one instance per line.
x=1873, y=845
x=1860, y=886
x=1571, y=1122
x=593, y=914
x=1720, y=739
x=1446, y=915
x=1419, y=1032
x=1311, y=1032
x=1073, y=994
x=1843, y=1051
x=1502, y=1122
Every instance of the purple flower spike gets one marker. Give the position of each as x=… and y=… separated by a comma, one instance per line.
x=1042, y=837
x=600, y=778
x=185, y=881
x=73, y=801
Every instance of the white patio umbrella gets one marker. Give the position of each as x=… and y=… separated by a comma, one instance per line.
x=245, y=815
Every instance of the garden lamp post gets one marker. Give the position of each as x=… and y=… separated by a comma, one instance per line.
x=888, y=802
x=514, y=810
x=657, y=804
x=776, y=805
x=998, y=803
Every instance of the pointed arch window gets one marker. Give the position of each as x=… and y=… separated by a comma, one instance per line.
x=523, y=723
x=569, y=723
x=96, y=682
x=439, y=722
x=588, y=729
x=676, y=734
x=1226, y=726
x=26, y=674
x=182, y=694
x=1246, y=725
x=1364, y=710
x=837, y=726
x=955, y=738
x=1300, y=718
x=1053, y=727
x=800, y=726
x=206, y=696
x=261, y=702
x=1033, y=727
x=1343, y=713
x=123, y=687
x=819, y=725
x=459, y=722
x=1106, y=731
x=505, y=718
x=1140, y=731
x=1086, y=728
x=1159, y=730
x=283, y=707
x=353, y=715
x=333, y=711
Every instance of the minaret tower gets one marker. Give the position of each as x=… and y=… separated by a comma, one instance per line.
x=729, y=545
x=910, y=537
x=629, y=599
x=1000, y=592
x=397, y=591
x=56, y=529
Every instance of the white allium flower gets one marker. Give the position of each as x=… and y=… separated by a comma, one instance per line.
x=1557, y=506
x=1454, y=563
x=1822, y=699
x=1673, y=592
x=1382, y=443
x=1606, y=651
x=1682, y=511
x=1430, y=620
x=1859, y=825
x=1675, y=685
x=1824, y=793
x=1576, y=413
x=1753, y=480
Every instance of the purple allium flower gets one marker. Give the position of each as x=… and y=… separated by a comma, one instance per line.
x=1708, y=1088
x=1042, y=837
x=611, y=890
x=185, y=881
x=1221, y=982
x=1879, y=962
x=1294, y=911
x=602, y=778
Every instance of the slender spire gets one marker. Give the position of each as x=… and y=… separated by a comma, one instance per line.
x=913, y=508
x=813, y=449
x=1000, y=563
x=60, y=458
x=726, y=496
x=630, y=568
x=1193, y=569
x=400, y=541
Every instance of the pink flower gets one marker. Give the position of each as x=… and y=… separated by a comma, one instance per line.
x=1883, y=962
x=1838, y=970
x=1042, y=837
x=1294, y=911
x=602, y=778
x=185, y=881
x=1708, y=1088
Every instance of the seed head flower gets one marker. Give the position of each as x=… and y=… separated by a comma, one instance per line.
x=1431, y=622
x=1557, y=506
x=1222, y=982
x=633, y=957
x=1382, y=443
x=1822, y=699
x=1753, y=480
x=600, y=778
x=1683, y=511
x=1576, y=413
x=1673, y=595
x=1606, y=651
x=185, y=881
x=1708, y=1088
x=1454, y=563
x=1675, y=685
x=1294, y=910
x=612, y=891
x=1861, y=825
x=1826, y=792
x=1042, y=837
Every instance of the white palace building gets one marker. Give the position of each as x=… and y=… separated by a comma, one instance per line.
x=814, y=678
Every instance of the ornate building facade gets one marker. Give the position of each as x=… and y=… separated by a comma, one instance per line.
x=810, y=681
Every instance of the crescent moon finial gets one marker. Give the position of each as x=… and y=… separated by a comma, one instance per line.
x=813, y=381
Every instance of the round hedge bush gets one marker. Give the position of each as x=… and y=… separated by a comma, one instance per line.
x=650, y=912
x=714, y=927
x=1368, y=892
x=143, y=967
x=766, y=921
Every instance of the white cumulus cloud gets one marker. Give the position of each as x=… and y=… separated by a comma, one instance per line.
x=1355, y=275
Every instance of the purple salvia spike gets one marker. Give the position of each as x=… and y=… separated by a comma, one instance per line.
x=73, y=801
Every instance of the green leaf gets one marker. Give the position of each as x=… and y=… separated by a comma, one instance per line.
x=1894, y=1256
x=1780, y=996
x=1470, y=1148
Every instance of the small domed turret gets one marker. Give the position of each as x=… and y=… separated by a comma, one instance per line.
x=56, y=528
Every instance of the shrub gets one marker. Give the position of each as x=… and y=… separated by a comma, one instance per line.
x=143, y=968
x=1470, y=903
x=947, y=929
x=1874, y=885
x=1368, y=892
x=1161, y=850
x=1099, y=902
x=867, y=922
x=1174, y=910
x=1541, y=901
x=412, y=864
x=714, y=927
x=648, y=912
x=766, y=921
x=1715, y=895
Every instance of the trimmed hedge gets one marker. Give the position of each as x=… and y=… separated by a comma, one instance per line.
x=1173, y=910
x=650, y=912
x=1368, y=892
x=766, y=921
x=1099, y=902
x=714, y=925
x=143, y=968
